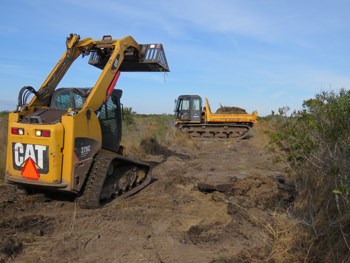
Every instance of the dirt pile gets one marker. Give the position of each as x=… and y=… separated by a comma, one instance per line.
x=230, y=110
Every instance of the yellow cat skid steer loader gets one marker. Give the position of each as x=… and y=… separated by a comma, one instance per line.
x=68, y=139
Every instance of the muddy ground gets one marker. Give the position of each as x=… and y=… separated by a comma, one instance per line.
x=208, y=202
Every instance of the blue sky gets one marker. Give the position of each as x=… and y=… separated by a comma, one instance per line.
x=257, y=54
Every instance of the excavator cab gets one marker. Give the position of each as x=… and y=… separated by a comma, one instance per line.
x=188, y=108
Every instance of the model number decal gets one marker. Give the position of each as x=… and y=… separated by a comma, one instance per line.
x=115, y=63
x=85, y=150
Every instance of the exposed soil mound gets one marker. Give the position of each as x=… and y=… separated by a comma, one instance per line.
x=261, y=191
x=230, y=110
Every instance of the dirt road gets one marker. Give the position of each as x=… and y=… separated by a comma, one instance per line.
x=208, y=202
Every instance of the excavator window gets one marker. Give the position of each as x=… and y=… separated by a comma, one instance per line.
x=196, y=104
x=185, y=105
x=184, y=109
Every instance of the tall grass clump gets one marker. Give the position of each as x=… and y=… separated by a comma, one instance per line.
x=3, y=143
x=151, y=132
x=315, y=143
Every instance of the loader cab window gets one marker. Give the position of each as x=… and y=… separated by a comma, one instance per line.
x=107, y=112
x=110, y=121
x=66, y=98
x=78, y=101
x=62, y=100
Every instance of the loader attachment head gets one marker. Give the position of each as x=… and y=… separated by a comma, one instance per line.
x=149, y=58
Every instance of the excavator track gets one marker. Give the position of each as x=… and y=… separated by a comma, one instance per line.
x=216, y=131
x=113, y=176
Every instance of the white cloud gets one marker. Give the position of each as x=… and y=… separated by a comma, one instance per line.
x=271, y=21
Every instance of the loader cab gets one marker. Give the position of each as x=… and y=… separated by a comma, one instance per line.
x=109, y=114
x=188, y=108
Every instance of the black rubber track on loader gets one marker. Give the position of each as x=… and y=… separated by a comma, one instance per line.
x=90, y=197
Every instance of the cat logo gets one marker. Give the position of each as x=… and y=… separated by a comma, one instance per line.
x=38, y=154
x=115, y=63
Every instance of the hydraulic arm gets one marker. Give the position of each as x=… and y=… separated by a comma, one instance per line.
x=110, y=55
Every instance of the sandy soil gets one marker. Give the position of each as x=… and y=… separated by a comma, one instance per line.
x=208, y=202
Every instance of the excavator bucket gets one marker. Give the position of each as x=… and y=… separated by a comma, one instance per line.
x=150, y=58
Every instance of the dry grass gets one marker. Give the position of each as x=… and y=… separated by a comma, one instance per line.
x=151, y=134
x=288, y=239
x=260, y=131
x=284, y=237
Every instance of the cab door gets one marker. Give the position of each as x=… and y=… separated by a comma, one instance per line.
x=183, y=112
x=189, y=108
x=195, y=110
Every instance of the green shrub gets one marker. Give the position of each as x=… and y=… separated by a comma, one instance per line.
x=128, y=116
x=315, y=142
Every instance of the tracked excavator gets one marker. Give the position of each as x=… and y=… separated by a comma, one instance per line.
x=198, y=121
x=68, y=140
